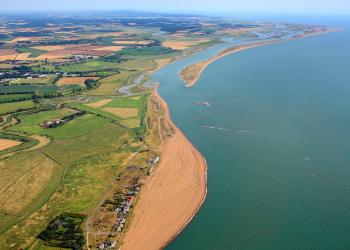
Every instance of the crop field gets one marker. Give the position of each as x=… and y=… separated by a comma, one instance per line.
x=99, y=103
x=141, y=64
x=126, y=110
x=6, y=144
x=11, y=107
x=182, y=44
x=50, y=79
x=33, y=51
x=123, y=112
x=74, y=80
x=19, y=89
x=90, y=65
x=12, y=98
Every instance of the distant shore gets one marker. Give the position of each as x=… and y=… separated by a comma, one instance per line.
x=192, y=73
x=173, y=194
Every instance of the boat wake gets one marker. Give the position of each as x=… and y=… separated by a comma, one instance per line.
x=228, y=129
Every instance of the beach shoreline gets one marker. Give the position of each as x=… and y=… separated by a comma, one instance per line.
x=191, y=78
x=172, y=196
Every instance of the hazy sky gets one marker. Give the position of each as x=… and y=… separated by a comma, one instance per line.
x=228, y=6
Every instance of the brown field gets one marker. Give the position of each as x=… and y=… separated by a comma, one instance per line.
x=5, y=52
x=25, y=39
x=131, y=123
x=99, y=103
x=111, y=48
x=237, y=31
x=8, y=57
x=74, y=80
x=22, y=179
x=70, y=52
x=20, y=39
x=64, y=51
x=5, y=144
x=123, y=112
x=51, y=48
x=108, y=34
x=23, y=56
x=181, y=45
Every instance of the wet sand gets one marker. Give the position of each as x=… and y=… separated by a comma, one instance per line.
x=171, y=196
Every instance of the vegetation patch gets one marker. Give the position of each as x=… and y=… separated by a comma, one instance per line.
x=64, y=231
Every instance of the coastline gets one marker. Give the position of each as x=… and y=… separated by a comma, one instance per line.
x=155, y=229
x=202, y=65
x=172, y=196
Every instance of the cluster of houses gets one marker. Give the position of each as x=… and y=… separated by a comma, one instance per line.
x=124, y=203
x=52, y=123
x=19, y=76
x=107, y=244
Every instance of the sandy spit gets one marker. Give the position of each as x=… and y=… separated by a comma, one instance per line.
x=171, y=196
x=235, y=49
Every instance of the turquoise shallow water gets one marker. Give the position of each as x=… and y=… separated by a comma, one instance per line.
x=277, y=143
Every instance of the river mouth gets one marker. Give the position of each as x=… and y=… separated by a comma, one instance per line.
x=275, y=139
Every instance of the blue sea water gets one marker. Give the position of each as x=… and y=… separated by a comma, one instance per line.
x=277, y=143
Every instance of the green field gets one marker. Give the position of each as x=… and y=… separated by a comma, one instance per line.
x=13, y=98
x=11, y=107
x=39, y=90
x=110, y=85
x=33, y=52
x=78, y=126
x=137, y=102
x=89, y=66
x=91, y=162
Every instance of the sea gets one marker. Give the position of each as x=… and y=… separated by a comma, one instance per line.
x=276, y=137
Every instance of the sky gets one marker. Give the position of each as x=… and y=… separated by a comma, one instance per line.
x=331, y=7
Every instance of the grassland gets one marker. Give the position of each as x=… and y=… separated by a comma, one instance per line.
x=76, y=127
x=90, y=166
x=13, y=98
x=11, y=107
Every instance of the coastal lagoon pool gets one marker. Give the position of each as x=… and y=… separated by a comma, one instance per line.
x=277, y=143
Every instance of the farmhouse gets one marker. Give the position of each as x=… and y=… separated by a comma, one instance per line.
x=52, y=123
